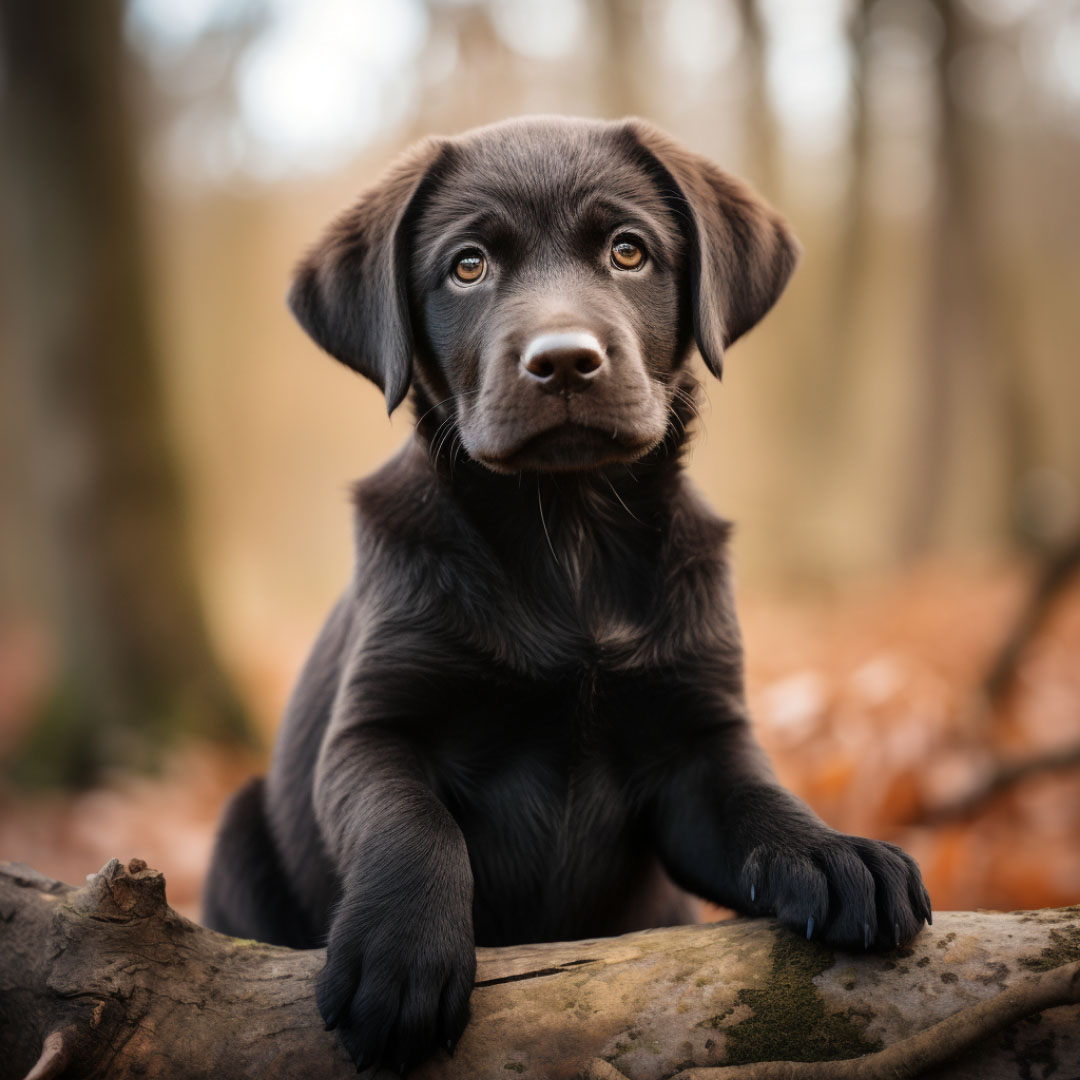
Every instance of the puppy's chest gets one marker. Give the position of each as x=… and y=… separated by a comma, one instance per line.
x=543, y=771
x=584, y=615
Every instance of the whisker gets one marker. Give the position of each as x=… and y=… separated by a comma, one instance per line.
x=446, y=434
x=447, y=439
x=421, y=419
x=438, y=440
x=543, y=521
x=680, y=393
x=614, y=491
x=439, y=404
x=455, y=451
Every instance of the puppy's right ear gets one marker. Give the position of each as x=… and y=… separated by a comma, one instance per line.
x=350, y=292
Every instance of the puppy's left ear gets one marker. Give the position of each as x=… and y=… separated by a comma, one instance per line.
x=350, y=292
x=742, y=252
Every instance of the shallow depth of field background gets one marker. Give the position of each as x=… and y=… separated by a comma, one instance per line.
x=898, y=443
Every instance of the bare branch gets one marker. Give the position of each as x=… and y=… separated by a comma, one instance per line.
x=1007, y=775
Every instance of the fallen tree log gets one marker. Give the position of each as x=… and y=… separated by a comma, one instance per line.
x=106, y=980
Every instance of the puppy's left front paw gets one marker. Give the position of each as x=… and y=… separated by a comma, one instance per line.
x=851, y=892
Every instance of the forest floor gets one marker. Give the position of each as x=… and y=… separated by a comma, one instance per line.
x=867, y=701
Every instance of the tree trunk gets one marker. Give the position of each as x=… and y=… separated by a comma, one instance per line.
x=134, y=662
x=107, y=980
x=762, y=129
x=972, y=358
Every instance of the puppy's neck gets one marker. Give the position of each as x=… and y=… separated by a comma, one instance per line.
x=571, y=531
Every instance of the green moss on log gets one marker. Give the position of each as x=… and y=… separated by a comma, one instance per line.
x=1063, y=949
x=789, y=1021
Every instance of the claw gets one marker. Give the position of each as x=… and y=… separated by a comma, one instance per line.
x=810, y=928
x=866, y=934
x=450, y=1047
x=896, y=933
x=929, y=917
x=753, y=892
x=332, y=1021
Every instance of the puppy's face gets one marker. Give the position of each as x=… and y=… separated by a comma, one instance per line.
x=541, y=281
x=547, y=273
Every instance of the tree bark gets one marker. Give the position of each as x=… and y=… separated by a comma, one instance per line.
x=107, y=981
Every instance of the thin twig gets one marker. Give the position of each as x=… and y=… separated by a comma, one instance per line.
x=1056, y=575
x=1005, y=776
x=54, y=1058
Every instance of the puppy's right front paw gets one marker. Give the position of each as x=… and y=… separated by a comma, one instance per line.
x=851, y=892
x=394, y=1002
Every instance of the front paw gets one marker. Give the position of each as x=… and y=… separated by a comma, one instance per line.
x=850, y=892
x=396, y=989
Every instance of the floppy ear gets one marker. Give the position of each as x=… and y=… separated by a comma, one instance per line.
x=350, y=292
x=741, y=251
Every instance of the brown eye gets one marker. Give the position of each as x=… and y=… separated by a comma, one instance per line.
x=470, y=267
x=627, y=253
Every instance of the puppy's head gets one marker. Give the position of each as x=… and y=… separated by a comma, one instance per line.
x=540, y=282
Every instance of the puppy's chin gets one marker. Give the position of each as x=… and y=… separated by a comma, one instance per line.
x=567, y=448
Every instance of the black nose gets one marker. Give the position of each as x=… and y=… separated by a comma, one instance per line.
x=564, y=362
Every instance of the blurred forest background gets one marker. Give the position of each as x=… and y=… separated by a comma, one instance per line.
x=898, y=443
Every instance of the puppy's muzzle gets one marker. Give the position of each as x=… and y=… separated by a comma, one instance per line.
x=563, y=363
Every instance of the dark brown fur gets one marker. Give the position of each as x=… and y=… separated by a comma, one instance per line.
x=525, y=719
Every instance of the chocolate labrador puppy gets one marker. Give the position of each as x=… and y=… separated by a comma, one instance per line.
x=524, y=720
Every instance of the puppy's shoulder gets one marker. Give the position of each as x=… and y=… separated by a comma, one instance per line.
x=696, y=616
x=694, y=533
x=402, y=506
x=415, y=548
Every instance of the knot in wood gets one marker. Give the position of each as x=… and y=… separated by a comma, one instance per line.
x=134, y=891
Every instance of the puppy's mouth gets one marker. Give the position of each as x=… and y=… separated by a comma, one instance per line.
x=568, y=448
